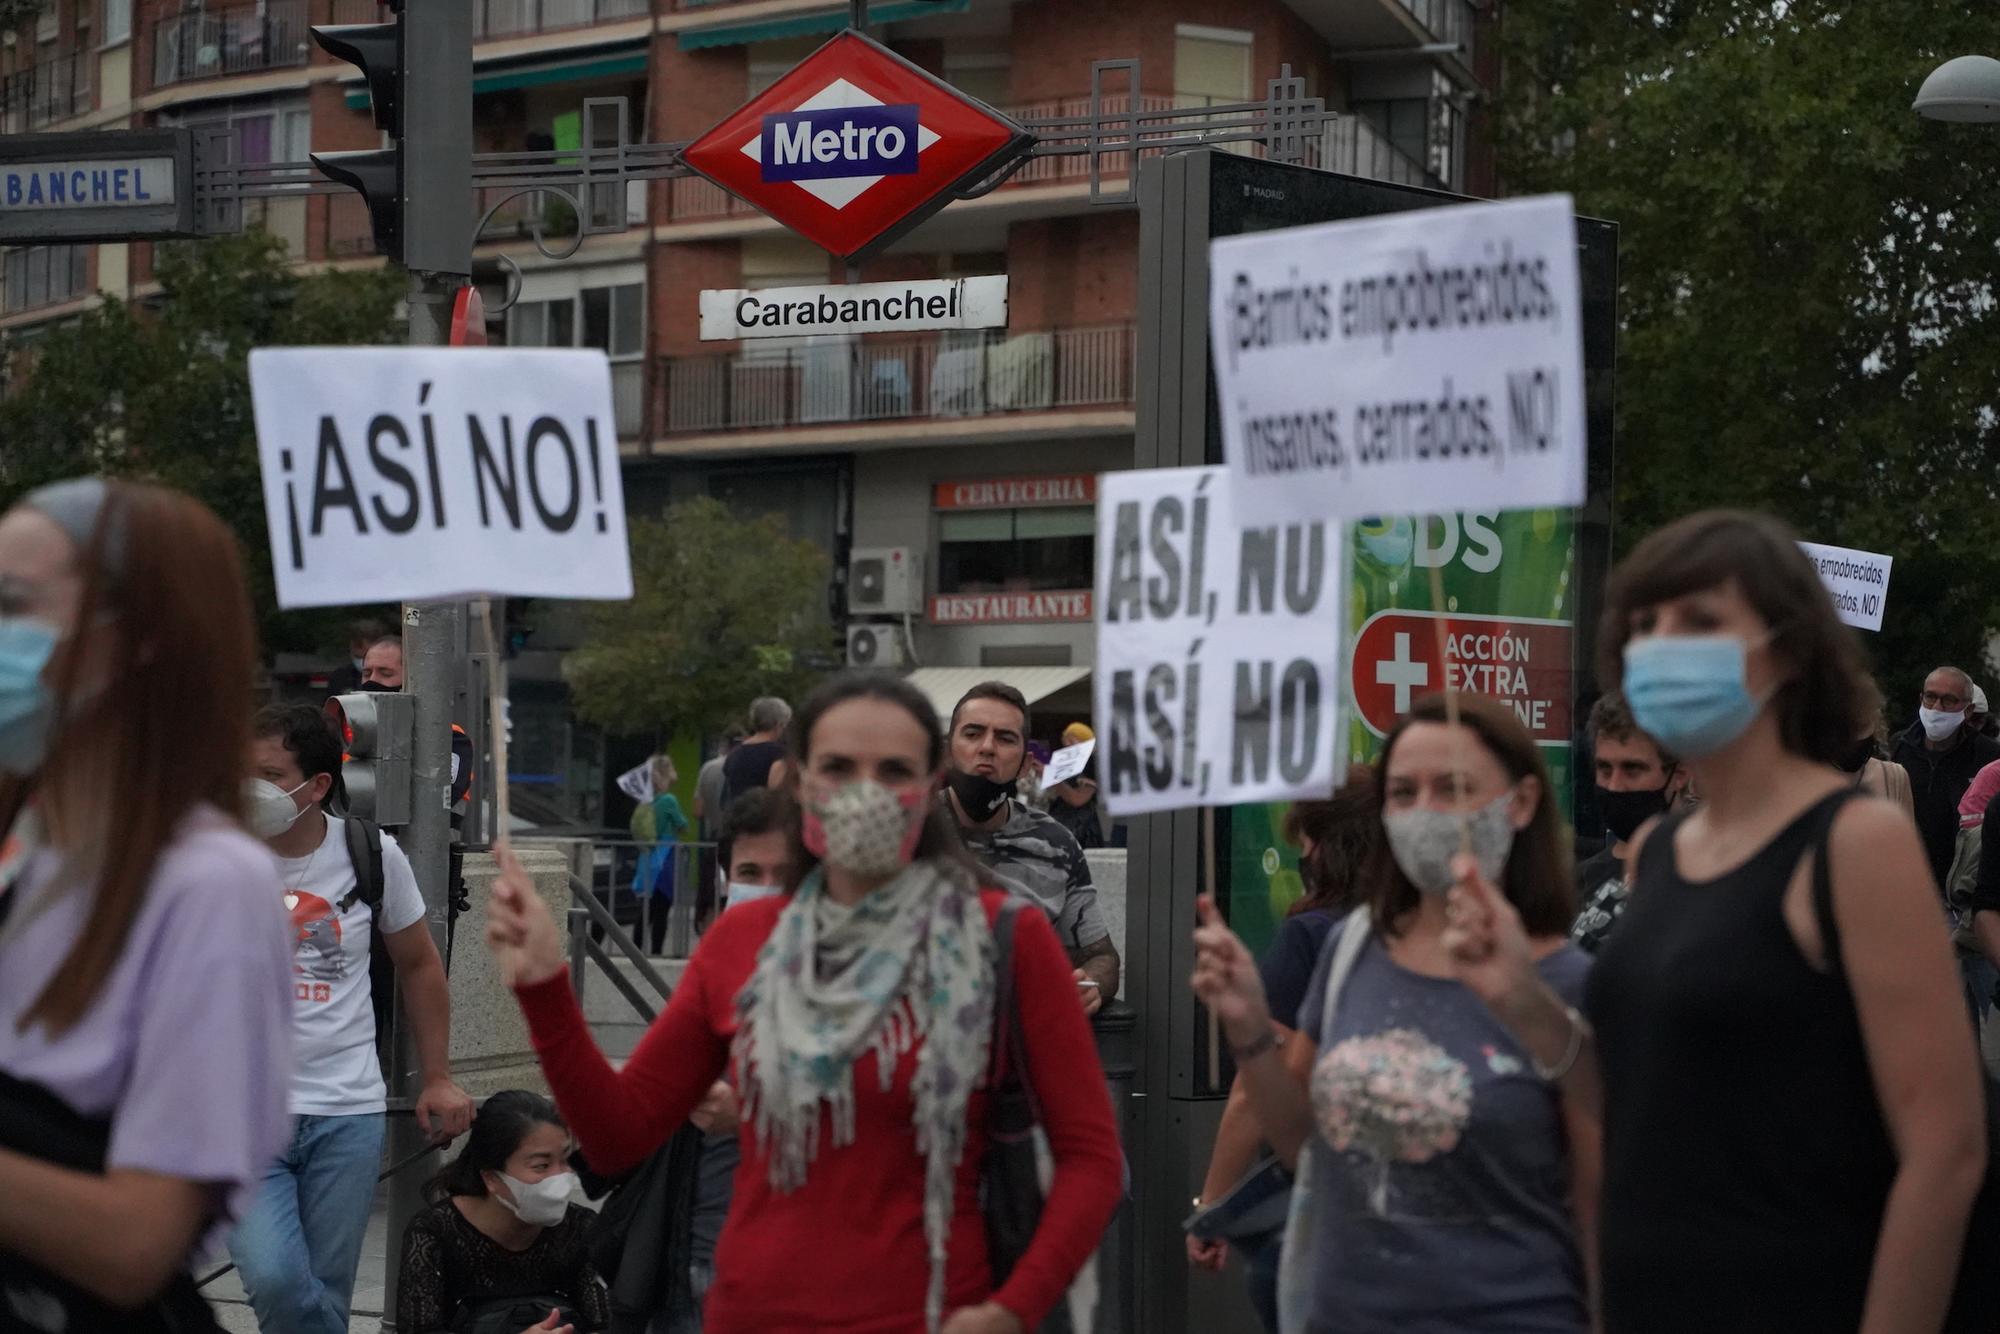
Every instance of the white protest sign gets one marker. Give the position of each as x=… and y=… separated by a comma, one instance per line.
x=1067, y=763
x=407, y=474
x=1857, y=580
x=638, y=783
x=1218, y=646
x=1430, y=361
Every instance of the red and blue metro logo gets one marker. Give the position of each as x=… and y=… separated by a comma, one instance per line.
x=854, y=146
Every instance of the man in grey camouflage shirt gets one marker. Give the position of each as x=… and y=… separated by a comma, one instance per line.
x=1027, y=850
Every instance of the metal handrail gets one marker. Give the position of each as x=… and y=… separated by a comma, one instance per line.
x=581, y=946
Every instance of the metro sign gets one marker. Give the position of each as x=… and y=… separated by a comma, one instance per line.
x=1524, y=664
x=854, y=146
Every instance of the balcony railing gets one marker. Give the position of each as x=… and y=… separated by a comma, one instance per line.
x=947, y=375
x=46, y=94
x=1359, y=149
x=211, y=43
x=692, y=199
x=515, y=18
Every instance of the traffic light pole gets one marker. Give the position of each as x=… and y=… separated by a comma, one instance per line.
x=431, y=672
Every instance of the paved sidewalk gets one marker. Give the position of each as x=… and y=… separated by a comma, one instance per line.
x=226, y=1293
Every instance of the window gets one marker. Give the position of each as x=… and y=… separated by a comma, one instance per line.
x=1211, y=66
x=1017, y=551
x=33, y=276
x=117, y=21
x=1426, y=130
x=612, y=319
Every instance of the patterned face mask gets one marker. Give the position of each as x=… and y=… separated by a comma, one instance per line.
x=866, y=828
x=1424, y=842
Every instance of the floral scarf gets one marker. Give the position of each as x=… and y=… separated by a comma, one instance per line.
x=910, y=966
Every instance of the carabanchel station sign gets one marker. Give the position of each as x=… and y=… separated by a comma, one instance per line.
x=113, y=185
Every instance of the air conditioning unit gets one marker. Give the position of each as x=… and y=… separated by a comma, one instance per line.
x=885, y=581
x=874, y=646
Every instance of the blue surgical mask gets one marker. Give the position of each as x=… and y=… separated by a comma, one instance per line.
x=1689, y=692
x=26, y=706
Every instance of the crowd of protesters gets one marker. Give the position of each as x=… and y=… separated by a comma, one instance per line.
x=1720, y=1073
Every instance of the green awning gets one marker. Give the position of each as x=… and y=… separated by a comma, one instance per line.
x=534, y=76
x=806, y=25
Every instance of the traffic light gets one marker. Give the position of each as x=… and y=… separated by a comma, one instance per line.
x=419, y=189
x=375, y=730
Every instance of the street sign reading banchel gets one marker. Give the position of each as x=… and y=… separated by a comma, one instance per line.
x=787, y=312
x=97, y=186
x=854, y=146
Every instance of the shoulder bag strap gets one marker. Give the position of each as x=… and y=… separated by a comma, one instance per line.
x=1346, y=949
x=1006, y=1022
x=1822, y=879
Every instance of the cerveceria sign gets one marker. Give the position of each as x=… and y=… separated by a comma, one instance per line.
x=854, y=146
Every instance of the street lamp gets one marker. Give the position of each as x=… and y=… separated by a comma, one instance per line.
x=1963, y=89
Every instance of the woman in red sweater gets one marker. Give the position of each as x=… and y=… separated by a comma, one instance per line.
x=857, y=1014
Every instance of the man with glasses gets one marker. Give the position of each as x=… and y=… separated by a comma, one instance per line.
x=1943, y=752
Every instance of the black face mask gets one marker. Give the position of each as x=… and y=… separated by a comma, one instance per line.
x=978, y=796
x=1855, y=760
x=1624, y=812
x=377, y=688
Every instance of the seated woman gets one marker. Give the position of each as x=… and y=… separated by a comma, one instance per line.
x=501, y=1249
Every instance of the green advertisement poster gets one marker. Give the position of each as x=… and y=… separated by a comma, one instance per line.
x=1508, y=633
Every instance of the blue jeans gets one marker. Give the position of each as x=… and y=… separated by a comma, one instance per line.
x=1980, y=978
x=300, y=1245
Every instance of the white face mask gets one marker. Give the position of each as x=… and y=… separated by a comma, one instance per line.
x=1938, y=725
x=741, y=894
x=540, y=1204
x=268, y=810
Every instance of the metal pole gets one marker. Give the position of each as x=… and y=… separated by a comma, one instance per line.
x=432, y=671
x=435, y=179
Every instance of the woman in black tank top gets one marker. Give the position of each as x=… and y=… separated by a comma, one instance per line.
x=1792, y=1117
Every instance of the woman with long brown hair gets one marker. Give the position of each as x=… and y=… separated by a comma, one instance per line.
x=145, y=980
x=1450, y=1180
x=857, y=1014
x=1791, y=1107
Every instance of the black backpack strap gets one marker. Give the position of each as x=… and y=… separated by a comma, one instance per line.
x=1822, y=878
x=364, y=849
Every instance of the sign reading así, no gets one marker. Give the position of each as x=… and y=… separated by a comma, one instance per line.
x=400, y=474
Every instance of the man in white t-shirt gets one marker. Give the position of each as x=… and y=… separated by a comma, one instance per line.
x=300, y=1244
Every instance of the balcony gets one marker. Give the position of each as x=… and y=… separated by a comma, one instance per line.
x=952, y=375
x=520, y=18
x=1356, y=148
x=214, y=43
x=692, y=199
x=46, y=94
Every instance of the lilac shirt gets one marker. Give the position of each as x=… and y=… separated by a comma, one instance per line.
x=187, y=1048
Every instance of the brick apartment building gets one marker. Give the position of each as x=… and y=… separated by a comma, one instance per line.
x=963, y=459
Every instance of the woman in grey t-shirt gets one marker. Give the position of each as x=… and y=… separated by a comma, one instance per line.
x=1447, y=1185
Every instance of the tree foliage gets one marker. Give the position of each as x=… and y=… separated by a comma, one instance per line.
x=724, y=609
x=162, y=392
x=1806, y=273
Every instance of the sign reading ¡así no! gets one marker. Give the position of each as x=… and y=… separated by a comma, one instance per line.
x=1429, y=360
x=406, y=474
x=790, y=312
